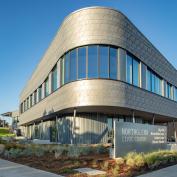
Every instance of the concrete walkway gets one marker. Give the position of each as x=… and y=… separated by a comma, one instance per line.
x=165, y=172
x=10, y=169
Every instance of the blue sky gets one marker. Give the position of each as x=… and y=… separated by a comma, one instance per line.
x=28, y=26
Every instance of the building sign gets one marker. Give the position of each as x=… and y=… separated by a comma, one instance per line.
x=136, y=137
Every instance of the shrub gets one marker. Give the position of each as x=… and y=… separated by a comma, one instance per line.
x=39, y=152
x=2, y=148
x=119, y=161
x=135, y=160
x=115, y=171
x=58, y=151
x=105, y=165
x=13, y=153
x=86, y=150
x=155, y=159
x=27, y=152
x=74, y=151
x=101, y=149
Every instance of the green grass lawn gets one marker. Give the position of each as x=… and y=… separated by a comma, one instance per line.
x=4, y=132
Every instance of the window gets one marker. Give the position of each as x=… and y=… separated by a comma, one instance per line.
x=135, y=72
x=27, y=105
x=81, y=63
x=35, y=97
x=103, y=62
x=113, y=63
x=73, y=65
x=158, y=85
x=148, y=80
x=129, y=69
x=66, y=66
x=54, y=79
x=153, y=82
x=168, y=91
x=92, y=62
x=21, y=108
x=62, y=71
x=175, y=93
x=46, y=87
x=31, y=100
x=40, y=93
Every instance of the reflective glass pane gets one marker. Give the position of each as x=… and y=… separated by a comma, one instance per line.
x=54, y=79
x=66, y=65
x=158, y=85
x=31, y=100
x=92, y=62
x=113, y=63
x=129, y=69
x=135, y=72
x=62, y=71
x=81, y=62
x=47, y=87
x=169, y=94
x=40, y=93
x=73, y=65
x=148, y=80
x=166, y=91
x=21, y=108
x=175, y=94
x=27, y=103
x=35, y=97
x=153, y=82
x=103, y=62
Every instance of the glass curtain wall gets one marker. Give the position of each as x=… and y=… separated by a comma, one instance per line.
x=62, y=71
x=46, y=87
x=66, y=66
x=103, y=62
x=169, y=91
x=132, y=70
x=148, y=80
x=73, y=65
x=31, y=100
x=81, y=62
x=129, y=69
x=54, y=79
x=113, y=63
x=98, y=61
x=40, y=93
x=35, y=97
x=135, y=72
x=154, y=82
x=175, y=93
x=93, y=61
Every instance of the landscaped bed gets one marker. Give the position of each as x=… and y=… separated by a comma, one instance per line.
x=63, y=160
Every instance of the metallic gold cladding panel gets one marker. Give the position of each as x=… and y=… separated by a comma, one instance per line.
x=89, y=93
x=99, y=25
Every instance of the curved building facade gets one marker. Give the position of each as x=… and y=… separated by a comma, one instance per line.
x=99, y=67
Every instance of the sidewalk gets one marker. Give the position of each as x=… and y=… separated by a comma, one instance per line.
x=165, y=172
x=10, y=169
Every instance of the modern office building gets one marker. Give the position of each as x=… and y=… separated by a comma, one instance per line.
x=99, y=67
